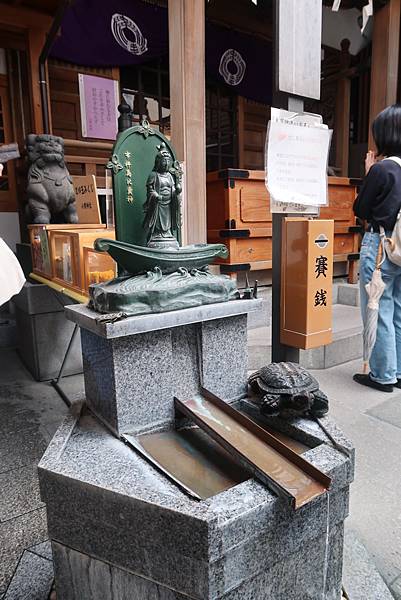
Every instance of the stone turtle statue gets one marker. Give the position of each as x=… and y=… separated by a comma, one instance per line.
x=50, y=191
x=288, y=389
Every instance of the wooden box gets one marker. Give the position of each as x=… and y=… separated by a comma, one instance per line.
x=238, y=215
x=98, y=267
x=40, y=249
x=306, y=282
x=67, y=254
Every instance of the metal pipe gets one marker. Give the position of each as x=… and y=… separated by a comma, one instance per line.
x=51, y=36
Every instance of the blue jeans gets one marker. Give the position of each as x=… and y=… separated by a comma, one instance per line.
x=385, y=361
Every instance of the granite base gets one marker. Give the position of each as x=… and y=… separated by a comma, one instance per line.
x=113, y=517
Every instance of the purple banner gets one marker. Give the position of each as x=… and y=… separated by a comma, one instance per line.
x=96, y=33
x=244, y=63
x=131, y=32
x=99, y=100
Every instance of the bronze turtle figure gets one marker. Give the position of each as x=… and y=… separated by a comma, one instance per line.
x=286, y=388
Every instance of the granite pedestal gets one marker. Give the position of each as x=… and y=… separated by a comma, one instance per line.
x=121, y=530
x=134, y=367
x=44, y=332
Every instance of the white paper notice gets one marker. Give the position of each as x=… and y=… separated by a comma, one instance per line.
x=297, y=163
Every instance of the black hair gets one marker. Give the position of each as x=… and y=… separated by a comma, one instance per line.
x=386, y=130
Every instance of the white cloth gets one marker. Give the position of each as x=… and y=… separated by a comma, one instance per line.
x=11, y=275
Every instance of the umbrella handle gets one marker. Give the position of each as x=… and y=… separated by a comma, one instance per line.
x=380, y=252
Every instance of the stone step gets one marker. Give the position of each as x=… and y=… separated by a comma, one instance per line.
x=343, y=293
x=347, y=293
x=346, y=345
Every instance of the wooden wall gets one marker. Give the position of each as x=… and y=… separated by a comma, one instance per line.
x=84, y=156
x=252, y=122
x=64, y=96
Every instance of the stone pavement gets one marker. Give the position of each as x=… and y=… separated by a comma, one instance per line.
x=30, y=412
x=372, y=420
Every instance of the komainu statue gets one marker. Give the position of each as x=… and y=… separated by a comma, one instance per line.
x=50, y=191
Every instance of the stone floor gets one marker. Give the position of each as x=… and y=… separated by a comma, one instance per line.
x=30, y=412
x=372, y=420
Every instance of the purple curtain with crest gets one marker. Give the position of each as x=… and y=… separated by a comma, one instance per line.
x=97, y=33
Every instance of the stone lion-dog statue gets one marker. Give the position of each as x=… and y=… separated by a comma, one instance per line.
x=50, y=191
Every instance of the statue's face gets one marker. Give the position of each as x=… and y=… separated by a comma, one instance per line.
x=164, y=163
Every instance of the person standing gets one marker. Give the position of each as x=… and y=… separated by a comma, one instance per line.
x=379, y=203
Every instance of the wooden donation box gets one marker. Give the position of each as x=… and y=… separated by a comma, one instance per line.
x=69, y=251
x=306, y=288
x=238, y=214
x=64, y=254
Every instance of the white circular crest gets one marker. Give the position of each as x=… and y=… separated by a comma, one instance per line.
x=119, y=23
x=234, y=57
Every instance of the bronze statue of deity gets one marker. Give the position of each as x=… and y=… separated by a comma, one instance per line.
x=162, y=206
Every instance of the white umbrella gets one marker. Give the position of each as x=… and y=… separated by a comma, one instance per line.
x=374, y=289
x=11, y=275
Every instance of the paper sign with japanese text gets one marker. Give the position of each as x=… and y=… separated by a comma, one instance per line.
x=86, y=199
x=99, y=98
x=303, y=119
x=297, y=163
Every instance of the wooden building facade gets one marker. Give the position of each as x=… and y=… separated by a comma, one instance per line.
x=212, y=127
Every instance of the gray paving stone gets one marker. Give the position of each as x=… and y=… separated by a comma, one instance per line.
x=388, y=411
x=23, y=447
x=32, y=580
x=361, y=579
x=16, y=535
x=44, y=549
x=26, y=405
x=19, y=492
x=395, y=588
x=11, y=368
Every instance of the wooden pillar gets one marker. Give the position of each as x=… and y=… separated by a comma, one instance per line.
x=36, y=40
x=385, y=59
x=187, y=103
x=343, y=107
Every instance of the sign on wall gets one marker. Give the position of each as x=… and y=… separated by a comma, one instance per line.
x=99, y=98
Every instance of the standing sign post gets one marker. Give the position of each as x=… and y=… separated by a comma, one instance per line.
x=298, y=32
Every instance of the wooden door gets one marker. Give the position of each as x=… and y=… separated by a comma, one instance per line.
x=8, y=197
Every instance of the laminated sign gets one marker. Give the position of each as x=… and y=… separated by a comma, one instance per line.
x=297, y=163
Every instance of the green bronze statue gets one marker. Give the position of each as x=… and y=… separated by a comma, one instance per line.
x=162, y=206
x=156, y=273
